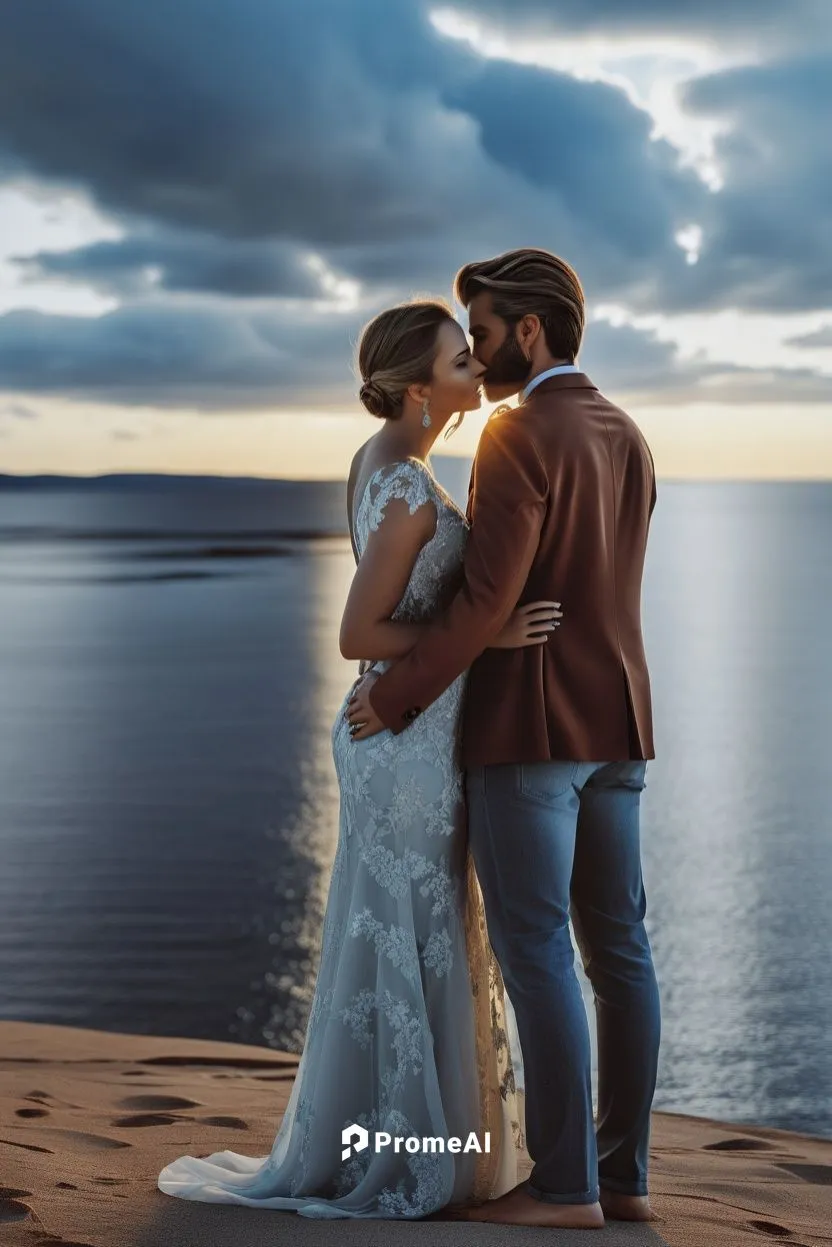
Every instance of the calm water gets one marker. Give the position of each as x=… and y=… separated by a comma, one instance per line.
x=170, y=671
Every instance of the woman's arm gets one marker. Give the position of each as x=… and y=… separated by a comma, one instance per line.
x=380, y=580
x=528, y=625
x=392, y=638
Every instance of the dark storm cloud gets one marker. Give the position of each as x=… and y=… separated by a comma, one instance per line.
x=216, y=359
x=234, y=142
x=338, y=129
x=185, y=262
x=768, y=233
x=635, y=365
x=255, y=119
x=768, y=236
x=167, y=355
x=577, y=141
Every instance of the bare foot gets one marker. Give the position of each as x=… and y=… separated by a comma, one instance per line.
x=620, y=1207
x=517, y=1207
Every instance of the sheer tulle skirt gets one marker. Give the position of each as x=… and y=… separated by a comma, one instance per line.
x=407, y=1030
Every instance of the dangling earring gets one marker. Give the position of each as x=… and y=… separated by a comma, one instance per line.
x=426, y=421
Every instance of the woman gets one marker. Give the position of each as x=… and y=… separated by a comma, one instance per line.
x=406, y=1032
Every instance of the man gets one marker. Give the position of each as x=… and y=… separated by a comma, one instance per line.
x=555, y=738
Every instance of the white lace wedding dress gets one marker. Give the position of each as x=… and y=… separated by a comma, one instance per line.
x=407, y=1030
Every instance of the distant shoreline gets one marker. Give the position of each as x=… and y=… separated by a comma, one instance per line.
x=134, y=481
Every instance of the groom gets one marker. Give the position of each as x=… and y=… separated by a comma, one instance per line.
x=554, y=737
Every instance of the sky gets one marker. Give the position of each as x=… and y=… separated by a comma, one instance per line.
x=203, y=201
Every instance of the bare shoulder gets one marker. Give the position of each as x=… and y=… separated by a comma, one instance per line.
x=359, y=457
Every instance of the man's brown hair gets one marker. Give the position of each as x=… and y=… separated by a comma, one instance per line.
x=530, y=281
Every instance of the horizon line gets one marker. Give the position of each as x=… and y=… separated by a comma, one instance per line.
x=331, y=480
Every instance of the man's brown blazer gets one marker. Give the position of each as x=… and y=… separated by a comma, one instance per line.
x=561, y=494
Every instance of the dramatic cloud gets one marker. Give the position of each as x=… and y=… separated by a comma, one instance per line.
x=750, y=22
x=591, y=154
x=164, y=355
x=279, y=172
x=365, y=137
x=183, y=262
x=768, y=241
x=216, y=359
x=315, y=122
x=636, y=365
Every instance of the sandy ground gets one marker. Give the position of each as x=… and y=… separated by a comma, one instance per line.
x=88, y=1119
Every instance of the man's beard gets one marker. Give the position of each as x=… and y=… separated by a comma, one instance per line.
x=508, y=371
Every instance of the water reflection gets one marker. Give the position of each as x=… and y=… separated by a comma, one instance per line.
x=304, y=843
x=727, y=818
x=169, y=807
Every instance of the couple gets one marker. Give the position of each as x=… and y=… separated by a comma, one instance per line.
x=490, y=765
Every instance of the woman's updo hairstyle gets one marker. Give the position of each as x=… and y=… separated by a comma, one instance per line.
x=398, y=349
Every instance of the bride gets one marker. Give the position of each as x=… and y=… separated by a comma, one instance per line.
x=407, y=1029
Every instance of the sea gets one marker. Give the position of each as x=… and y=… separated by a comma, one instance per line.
x=169, y=676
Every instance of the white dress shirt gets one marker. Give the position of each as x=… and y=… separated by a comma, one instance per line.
x=544, y=376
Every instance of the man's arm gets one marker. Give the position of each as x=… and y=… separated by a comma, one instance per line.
x=510, y=491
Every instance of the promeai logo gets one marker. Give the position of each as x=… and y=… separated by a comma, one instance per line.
x=356, y=1138
x=361, y=1137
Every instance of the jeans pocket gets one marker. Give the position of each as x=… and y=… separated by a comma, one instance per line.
x=546, y=781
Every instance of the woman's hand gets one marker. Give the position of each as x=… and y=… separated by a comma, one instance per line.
x=531, y=624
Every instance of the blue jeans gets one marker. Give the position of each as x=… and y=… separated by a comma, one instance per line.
x=549, y=839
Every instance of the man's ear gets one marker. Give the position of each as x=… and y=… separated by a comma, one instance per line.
x=529, y=329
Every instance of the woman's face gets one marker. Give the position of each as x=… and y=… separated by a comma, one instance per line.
x=456, y=374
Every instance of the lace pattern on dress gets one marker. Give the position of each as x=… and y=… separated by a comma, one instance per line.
x=407, y=1030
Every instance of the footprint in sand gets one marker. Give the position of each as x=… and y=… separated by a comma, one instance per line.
x=61, y=1242
x=234, y=1063
x=66, y=1186
x=112, y=1181
x=13, y=1210
x=229, y=1123
x=27, y=1147
x=148, y=1119
x=816, y=1175
x=92, y=1142
x=771, y=1228
x=738, y=1145
x=157, y=1102
x=31, y=1112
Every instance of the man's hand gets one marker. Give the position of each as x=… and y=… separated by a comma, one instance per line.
x=363, y=720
